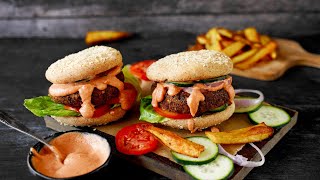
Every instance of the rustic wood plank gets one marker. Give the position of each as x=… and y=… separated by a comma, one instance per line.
x=168, y=168
x=282, y=24
x=60, y=8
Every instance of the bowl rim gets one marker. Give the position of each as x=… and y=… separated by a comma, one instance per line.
x=38, y=146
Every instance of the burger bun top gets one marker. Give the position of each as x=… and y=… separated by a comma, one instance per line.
x=190, y=66
x=83, y=65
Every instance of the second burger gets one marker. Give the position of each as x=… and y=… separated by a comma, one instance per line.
x=192, y=90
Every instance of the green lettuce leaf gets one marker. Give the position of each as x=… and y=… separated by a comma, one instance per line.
x=44, y=106
x=147, y=113
x=129, y=78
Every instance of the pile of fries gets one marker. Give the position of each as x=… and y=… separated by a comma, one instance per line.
x=245, y=48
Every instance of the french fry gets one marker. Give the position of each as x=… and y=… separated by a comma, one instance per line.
x=176, y=143
x=233, y=48
x=96, y=37
x=226, y=43
x=274, y=54
x=196, y=47
x=225, y=32
x=245, y=135
x=202, y=39
x=214, y=40
x=243, y=56
x=251, y=34
x=267, y=49
x=242, y=39
x=245, y=47
x=264, y=39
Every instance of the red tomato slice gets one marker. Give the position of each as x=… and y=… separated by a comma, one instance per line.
x=101, y=110
x=172, y=115
x=97, y=113
x=135, y=140
x=139, y=68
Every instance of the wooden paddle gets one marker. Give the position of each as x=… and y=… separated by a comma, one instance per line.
x=290, y=53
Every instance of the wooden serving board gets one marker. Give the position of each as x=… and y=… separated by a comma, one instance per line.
x=290, y=53
x=161, y=162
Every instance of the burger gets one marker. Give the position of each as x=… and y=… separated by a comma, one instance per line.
x=191, y=90
x=87, y=89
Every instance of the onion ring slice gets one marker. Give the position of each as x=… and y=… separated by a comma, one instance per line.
x=247, y=104
x=243, y=161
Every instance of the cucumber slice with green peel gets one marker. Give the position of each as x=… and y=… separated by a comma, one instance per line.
x=191, y=83
x=220, y=168
x=247, y=109
x=210, y=152
x=214, y=79
x=182, y=84
x=271, y=116
x=218, y=109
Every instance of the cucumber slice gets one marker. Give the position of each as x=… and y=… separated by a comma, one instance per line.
x=271, y=116
x=214, y=79
x=209, y=154
x=182, y=84
x=218, y=109
x=247, y=109
x=221, y=168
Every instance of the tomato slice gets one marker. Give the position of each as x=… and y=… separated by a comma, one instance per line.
x=172, y=115
x=135, y=140
x=139, y=68
x=101, y=110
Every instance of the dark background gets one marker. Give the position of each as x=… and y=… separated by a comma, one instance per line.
x=34, y=34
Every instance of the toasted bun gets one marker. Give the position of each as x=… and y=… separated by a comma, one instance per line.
x=202, y=122
x=111, y=116
x=84, y=64
x=190, y=66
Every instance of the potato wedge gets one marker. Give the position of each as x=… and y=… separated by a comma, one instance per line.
x=214, y=40
x=243, y=56
x=97, y=37
x=264, y=39
x=244, y=135
x=176, y=143
x=251, y=34
x=196, y=47
x=274, y=54
x=267, y=49
x=202, y=39
x=225, y=32
x=233, y=48
x=226, y=43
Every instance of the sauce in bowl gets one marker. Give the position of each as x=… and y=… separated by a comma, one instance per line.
x=83, y=153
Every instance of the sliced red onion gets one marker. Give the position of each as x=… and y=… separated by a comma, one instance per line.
x=243, y=161
x=247, y=104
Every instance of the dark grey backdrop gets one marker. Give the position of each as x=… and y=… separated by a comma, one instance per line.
x=59, y=18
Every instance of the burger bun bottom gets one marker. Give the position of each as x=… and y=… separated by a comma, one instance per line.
x=202, y=122
x=113, y=115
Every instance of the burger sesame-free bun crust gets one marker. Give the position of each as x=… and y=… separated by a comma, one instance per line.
x=190, y=66
x=113, y=115
x=83, y=65
x=202, y=122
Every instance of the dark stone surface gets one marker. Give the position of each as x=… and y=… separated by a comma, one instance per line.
x=23, y=63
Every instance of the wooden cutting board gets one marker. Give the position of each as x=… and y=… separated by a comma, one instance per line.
x=290, y=53
x=161, y=162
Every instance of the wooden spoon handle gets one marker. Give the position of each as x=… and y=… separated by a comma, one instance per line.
x=308, y=59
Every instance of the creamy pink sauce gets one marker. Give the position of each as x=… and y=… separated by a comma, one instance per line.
x=195, y=93
x=85, y=90
x=83, y=153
